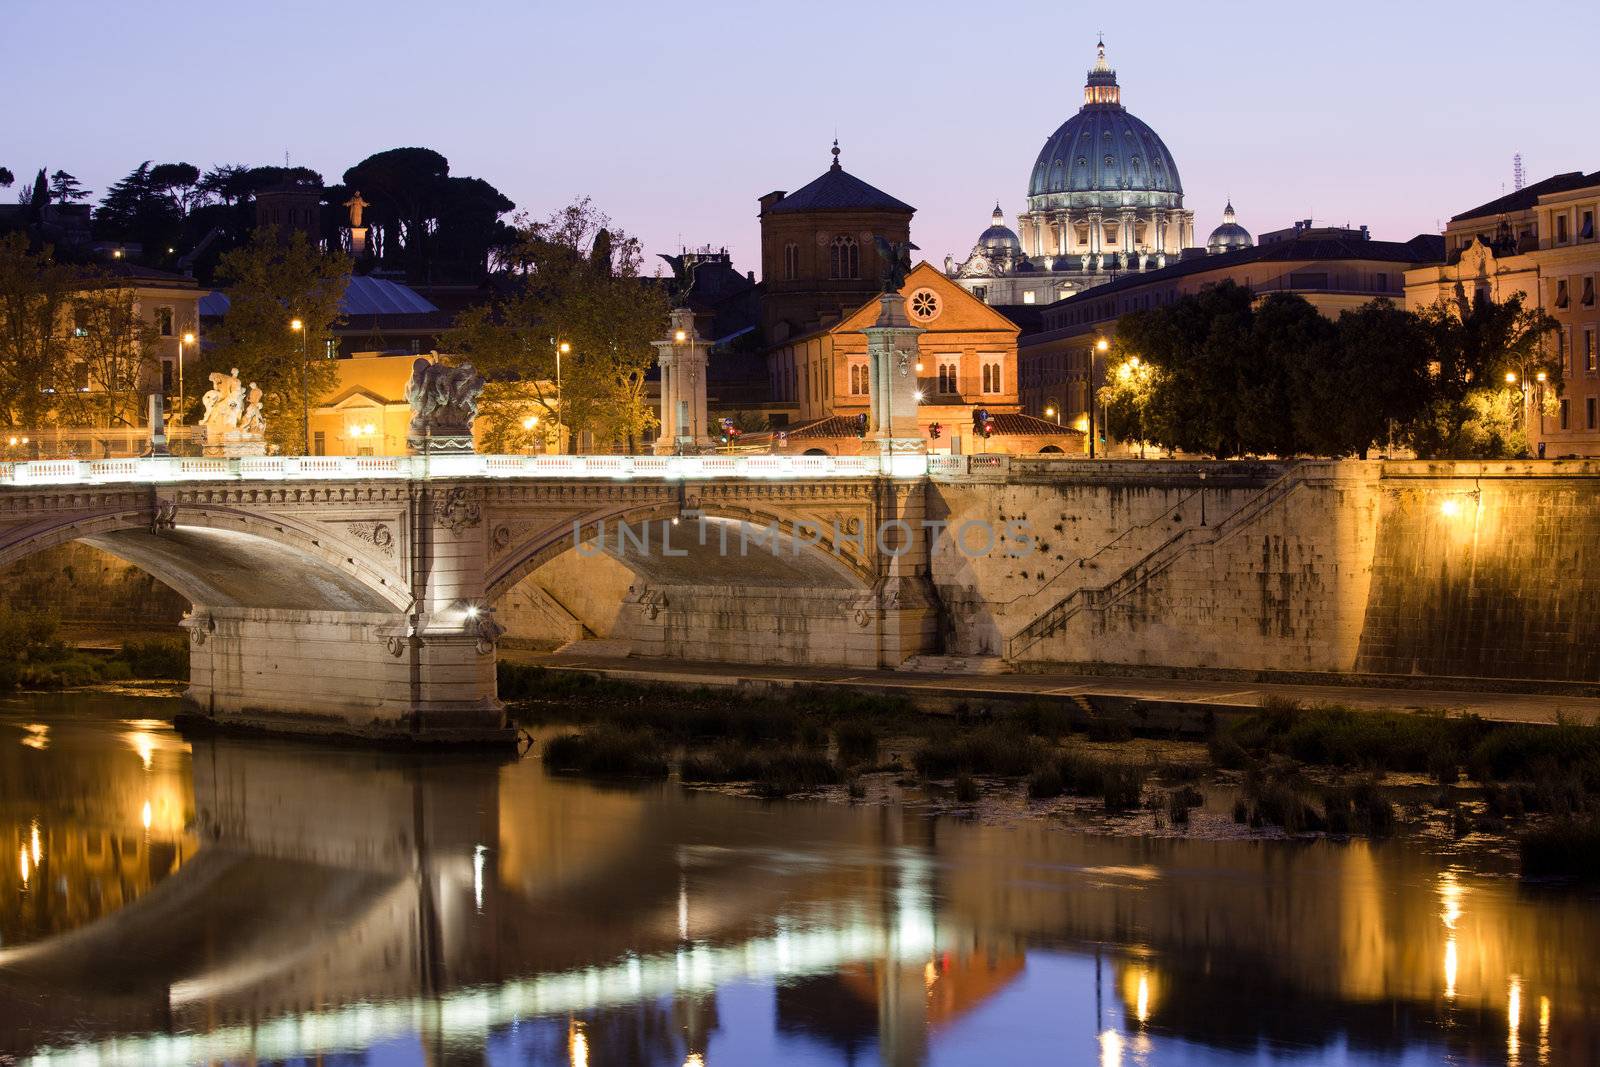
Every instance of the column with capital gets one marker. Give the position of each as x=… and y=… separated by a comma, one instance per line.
x=892, y=358
x=681, y=356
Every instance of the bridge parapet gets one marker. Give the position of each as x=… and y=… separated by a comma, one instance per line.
x=170, y=469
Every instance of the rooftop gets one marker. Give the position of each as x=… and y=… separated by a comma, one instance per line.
x=1526, y=197
x=838, y=190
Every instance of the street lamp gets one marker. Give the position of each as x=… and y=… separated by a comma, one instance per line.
x=305, y=399
x=186, y=338
x=1050, y=412
x=562, y=348
x=528, y=424
x=1101, y=346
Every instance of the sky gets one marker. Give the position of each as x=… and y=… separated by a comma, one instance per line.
x=675, y=117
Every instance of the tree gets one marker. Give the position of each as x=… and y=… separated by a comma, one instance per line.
x=1354, y=390
x=113, y=358
x=271, y=282
x=65, y=188
x=604, y=312
x=178, y=183
x=424, y=221
x=1474, y=410
x=6, y=178
x=35, y=292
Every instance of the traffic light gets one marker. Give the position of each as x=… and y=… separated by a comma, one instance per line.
x=935, y=431
x=861, y=424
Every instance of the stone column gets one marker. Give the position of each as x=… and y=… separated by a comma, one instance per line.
x=892, y=355
x=682, y=358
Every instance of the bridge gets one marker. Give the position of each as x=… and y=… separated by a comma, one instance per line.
x=368, y=595
x=356, y=595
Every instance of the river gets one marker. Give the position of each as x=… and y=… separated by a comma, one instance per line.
x=250, y=901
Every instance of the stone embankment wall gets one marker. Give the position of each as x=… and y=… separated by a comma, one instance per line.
x=91, y=591
x=1474, y=569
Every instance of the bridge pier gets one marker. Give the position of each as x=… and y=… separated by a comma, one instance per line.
x=385, y=676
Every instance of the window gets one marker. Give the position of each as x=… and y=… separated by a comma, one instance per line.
x=924, y=305
x=1380, y=283
x=1561, y=292
x=1588, y=409
x=1587, y=300
x=330, y=349
x=166, y=376
x=991, y=378
x=1586, y=227
x=981, y=292
x=1309, y=280
x=1561, y=348
x=1563, y=413
x=948, y=383
x=1589, y=353
x=164, y=321
x=80, y=322
x=1028, y=297
x=319, y=443
x=859, y=379
x=791, y=262
x=844, y=258
x=1561, y=229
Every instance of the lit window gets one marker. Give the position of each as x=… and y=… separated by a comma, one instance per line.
x=1028, y=297
x=164, y=321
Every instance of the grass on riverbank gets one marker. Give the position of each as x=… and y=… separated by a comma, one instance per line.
x=1302, y=769
x=33, y=656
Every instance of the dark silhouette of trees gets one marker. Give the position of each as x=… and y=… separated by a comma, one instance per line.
x=65, y=188
x=1224, y=374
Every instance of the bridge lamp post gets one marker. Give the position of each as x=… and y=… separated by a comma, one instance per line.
x=562, y=348
x=530, y=424
x=299, y=327
x=1541, y=378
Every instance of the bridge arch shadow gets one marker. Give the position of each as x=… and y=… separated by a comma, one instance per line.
x=720, y=582
x=222, y=557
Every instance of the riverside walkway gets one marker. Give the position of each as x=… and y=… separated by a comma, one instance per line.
x=1104, y=693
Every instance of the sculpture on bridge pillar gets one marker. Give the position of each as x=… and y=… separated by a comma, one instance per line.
x=892, y=355
x=682, y=358
x=444, y=401
x=232, y=424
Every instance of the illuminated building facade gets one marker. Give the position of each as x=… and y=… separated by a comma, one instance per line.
x=1542, y=241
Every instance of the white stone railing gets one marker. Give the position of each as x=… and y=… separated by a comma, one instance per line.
x=328, y=468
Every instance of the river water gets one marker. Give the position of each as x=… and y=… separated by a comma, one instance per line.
x=248, y=901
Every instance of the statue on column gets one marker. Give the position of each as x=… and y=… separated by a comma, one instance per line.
x=444, y=403
x=896, y=256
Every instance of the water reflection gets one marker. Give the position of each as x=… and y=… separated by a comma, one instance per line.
x=250, y=901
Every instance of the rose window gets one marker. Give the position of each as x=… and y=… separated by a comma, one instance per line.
x=924, y=304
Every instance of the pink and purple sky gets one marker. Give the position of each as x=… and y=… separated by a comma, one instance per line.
x=675, y=117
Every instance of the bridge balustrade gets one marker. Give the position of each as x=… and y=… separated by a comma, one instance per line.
x=293, y=468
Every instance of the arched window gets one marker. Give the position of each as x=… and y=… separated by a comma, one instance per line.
x=991, y=377
x=844, y=258
x=791, y=262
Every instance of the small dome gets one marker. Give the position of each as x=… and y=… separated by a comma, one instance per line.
x=999, y=237
x=1230, y=235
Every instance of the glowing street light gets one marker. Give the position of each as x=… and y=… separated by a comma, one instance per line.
x=562, y=348
x=1102, y=345
x=186, y=338
x=299, y=327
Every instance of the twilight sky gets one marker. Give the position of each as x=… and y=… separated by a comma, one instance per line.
x=675, y=117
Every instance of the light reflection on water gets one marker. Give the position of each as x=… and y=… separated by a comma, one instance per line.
x=267, y=902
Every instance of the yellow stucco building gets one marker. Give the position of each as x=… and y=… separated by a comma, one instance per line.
x=1542, y=242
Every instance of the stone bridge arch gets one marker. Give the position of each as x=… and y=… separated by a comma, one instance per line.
x=329, y=606
x=791, y=572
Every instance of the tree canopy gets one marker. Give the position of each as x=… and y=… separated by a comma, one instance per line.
x=1222, y=373
x=563, y=292
x=272, y=282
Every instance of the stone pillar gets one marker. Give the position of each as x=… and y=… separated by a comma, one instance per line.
x=1127, y=239
x=1066, y=233
x=892, y=355
x=682, y=358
